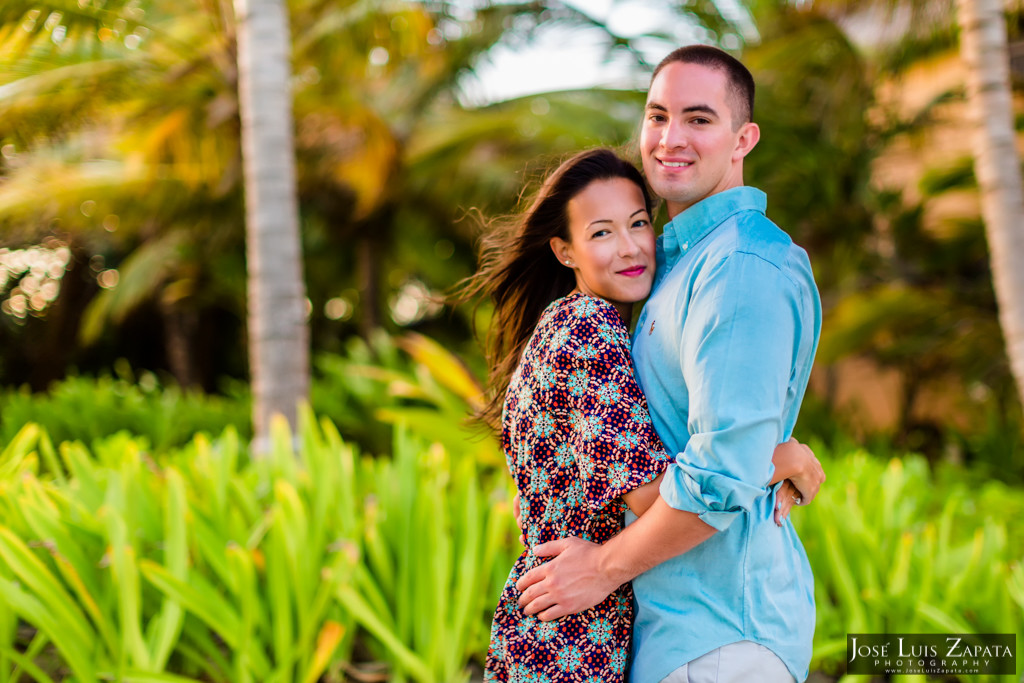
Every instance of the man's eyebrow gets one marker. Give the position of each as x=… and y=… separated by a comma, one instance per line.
x=703, y=108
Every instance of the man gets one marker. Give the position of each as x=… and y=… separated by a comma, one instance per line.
x=723, y=351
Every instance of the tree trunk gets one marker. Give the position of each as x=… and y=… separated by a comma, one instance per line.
x=996, y=164
x=278, y=331
x=180, y=328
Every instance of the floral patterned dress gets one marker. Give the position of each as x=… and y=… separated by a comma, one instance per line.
x=576, y=435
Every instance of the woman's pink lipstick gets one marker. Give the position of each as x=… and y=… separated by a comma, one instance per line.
x=634, y=271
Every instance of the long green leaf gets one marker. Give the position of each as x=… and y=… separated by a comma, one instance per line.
x=74, y=651
x=166, y=627
x=26, y=664
x=365, y=616
x=49, y=590
x=198, y=597
x=14, y=455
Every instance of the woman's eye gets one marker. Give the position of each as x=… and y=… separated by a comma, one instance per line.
x=641, y=223
x=599, y=233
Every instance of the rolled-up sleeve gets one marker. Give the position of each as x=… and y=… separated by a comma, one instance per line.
x=737, y=351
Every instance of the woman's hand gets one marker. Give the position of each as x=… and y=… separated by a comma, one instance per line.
x=809, y=475
x=517, y=510
x=785, y=498
x=796, y=464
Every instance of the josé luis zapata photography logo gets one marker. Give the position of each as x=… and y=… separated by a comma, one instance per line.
x=931, y=653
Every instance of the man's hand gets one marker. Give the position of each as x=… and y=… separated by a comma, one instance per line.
x=572, y=582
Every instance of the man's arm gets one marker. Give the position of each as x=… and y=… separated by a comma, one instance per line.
x=584, y=573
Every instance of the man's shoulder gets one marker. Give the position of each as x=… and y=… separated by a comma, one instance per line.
x=751, y=232
x=752, y=235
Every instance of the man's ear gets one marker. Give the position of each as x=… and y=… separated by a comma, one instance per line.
x=746, y=138
x=562, y=251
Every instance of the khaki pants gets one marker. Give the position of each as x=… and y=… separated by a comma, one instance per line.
x=740, y=662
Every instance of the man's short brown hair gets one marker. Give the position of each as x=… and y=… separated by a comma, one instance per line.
x=741, y=83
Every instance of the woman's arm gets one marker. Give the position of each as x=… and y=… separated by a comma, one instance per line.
x=641, y=498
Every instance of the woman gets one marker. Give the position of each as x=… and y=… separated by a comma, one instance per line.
x=575, y=429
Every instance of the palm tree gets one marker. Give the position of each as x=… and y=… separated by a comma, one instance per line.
x=983, y=47
x=278, y=333
x=126, y=110
x=133, y=110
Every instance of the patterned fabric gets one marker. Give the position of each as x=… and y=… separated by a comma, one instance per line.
x=576, y=435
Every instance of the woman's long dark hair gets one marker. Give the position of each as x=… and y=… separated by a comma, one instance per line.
x=520, y=273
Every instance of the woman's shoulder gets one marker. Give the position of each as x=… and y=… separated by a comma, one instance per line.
x=583, y=310
x=581, y=321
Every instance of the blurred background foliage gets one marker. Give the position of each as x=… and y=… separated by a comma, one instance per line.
x=122, y=218
x=195, y=561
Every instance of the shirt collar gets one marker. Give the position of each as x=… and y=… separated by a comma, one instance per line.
x=691, y=226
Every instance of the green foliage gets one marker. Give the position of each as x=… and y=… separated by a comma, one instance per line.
x=897, y=549
x=365, y=392
x=86, y=409
x=816, y=148
x=411, y=380
x=224, y=568
x=212, y=565
x=120, y=133
x=438, y=543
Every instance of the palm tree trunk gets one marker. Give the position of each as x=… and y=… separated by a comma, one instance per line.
x=996, y=163
x=278, y=331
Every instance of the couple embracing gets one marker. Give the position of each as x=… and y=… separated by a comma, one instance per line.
x=655, y=475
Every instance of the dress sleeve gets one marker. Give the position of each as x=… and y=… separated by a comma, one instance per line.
x=610, y=430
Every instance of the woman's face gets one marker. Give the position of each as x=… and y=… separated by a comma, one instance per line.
x=611, y=243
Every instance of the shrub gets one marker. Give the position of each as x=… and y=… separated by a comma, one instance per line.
x=216, y=566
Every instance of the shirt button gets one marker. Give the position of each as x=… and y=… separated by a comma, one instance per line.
x=686, y=245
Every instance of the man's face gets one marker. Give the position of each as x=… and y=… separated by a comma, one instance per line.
x=688, y=146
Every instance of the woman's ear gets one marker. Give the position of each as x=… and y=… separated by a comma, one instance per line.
x=562, y=251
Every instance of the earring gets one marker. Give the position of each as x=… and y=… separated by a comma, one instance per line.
x=568, y=263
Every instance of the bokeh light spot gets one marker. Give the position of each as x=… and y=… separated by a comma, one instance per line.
x=338, y=309
x=108, y=279
x=379, y=56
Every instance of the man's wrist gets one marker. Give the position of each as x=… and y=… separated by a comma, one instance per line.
x=612, y=562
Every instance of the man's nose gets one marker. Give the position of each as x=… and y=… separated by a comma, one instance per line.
x=673, y=136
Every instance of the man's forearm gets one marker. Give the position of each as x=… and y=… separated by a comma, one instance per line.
x=662, y=533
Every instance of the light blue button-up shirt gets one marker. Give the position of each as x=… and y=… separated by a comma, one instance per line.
x=723, y=351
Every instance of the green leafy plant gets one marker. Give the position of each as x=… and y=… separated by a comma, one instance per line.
x=439, y=543
x=121, y=565
x=208, y=564
x=898, y=549
x=88, y=409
